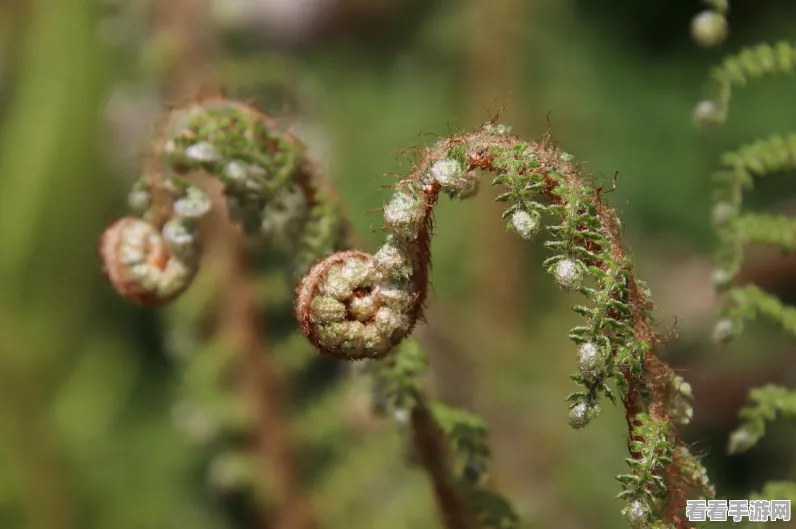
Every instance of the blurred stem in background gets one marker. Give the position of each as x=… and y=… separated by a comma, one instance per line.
x=184, y=27
x=47, y=177
x=492, y=75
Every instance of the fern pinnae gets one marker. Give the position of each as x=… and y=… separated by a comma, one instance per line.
x=736, y=229
x=762, y=60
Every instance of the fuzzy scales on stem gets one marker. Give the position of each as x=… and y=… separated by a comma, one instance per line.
x=355, y=305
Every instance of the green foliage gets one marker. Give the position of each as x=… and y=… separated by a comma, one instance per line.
x=776, y=489
x=746, y=303
x=260, y=170
x=761, y=158
x=86, y=420
x=766, y=403
x=762, y=60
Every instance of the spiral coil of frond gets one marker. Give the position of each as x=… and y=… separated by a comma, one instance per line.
x=272, y=191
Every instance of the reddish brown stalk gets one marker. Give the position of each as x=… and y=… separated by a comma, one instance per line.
x=657, y=385
x=454, y=509
x=239, y=323
x=422, y=250
x=181, y=29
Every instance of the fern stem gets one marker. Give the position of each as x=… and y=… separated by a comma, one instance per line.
x=454, y=509
x=240, y=325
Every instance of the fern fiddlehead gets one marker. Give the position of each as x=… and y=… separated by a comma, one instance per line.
x=616, y=342
x=272, y=192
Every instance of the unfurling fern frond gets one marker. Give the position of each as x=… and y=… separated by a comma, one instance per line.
x=272, y=191
x=736, y=229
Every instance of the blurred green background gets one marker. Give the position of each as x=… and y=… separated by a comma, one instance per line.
x=95, y=429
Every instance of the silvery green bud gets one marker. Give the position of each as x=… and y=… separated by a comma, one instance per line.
x=139, y=200
x=741, y=440
x=404, y=215
x=590, y=359
x=709, y=28
x=721, y=278
x=203, y=152
x=724, y=330
x=579, y=415
x=722, y=213
x=194, y=204
x=637, y=515
x=525, y=224
x=568, y=274
x=706, y=113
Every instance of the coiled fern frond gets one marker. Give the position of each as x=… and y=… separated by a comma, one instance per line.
x=355, y=305
x=272, y=191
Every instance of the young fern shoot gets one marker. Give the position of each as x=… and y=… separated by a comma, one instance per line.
x=272, y=191
x=355, y=305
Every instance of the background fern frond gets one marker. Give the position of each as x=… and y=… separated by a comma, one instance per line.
x=762, y=60
x=765, y=405
x=736, y=229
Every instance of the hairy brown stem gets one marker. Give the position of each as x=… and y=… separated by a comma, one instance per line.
x=454, y=509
